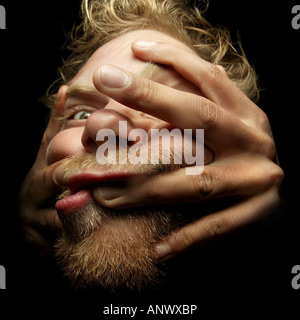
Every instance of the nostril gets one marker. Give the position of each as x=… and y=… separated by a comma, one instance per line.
x=89, y=144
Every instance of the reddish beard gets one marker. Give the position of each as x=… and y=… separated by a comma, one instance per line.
x=108, y=247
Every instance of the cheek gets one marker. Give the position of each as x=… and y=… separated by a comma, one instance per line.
x=64, y=144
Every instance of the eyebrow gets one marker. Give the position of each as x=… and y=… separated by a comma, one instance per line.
x=82, y=88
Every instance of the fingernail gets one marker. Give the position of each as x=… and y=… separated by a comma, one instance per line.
x=109, y=193
x=113, y=77
x=162, y=252
x=144, y=44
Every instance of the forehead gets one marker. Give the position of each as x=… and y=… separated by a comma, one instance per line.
x=118, y=52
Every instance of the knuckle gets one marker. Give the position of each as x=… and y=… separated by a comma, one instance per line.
x=262, y=120
x=204, y=184
x=268, y=147
x=274, y=175
x=216, y=227
x=208, y=113
x=145, y=90
x=181, y=241
x=222, y=69
x=215, y=72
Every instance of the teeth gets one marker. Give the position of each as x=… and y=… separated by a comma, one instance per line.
x=64, y=194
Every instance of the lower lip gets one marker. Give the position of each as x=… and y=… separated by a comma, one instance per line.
x=71, y=204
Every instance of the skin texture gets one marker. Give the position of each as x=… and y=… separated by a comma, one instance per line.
x=194, y=94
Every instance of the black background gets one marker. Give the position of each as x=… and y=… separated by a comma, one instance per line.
x=246, y=274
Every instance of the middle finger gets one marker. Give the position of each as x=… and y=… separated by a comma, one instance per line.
x=181, y=109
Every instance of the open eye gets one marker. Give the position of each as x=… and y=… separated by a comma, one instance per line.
x=82, y=115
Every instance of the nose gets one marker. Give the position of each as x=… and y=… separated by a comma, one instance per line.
x=110, y=118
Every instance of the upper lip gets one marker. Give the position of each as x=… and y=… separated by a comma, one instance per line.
x=86, y=179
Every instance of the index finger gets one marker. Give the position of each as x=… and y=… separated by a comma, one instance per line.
x=182, y=109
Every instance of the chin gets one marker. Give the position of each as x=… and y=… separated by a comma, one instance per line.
x=113, y=249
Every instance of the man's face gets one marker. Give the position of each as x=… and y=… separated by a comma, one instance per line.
x=98, y=245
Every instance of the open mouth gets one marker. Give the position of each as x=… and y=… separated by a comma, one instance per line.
x=82, y=184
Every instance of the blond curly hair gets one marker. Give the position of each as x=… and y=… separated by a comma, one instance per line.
x=104, y=20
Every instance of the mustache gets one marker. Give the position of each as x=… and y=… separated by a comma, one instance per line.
x=120, y=162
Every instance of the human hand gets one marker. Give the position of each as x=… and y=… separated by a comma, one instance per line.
x=38, y=216
x=237, y=132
